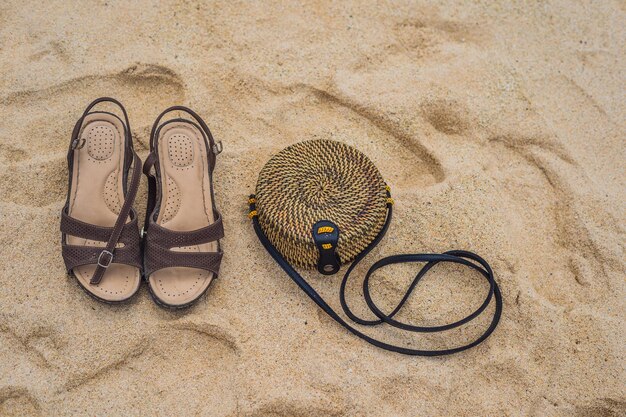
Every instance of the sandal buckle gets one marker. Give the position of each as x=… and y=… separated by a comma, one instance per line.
x=107, y=261
x=217, y=147
x=78, y=143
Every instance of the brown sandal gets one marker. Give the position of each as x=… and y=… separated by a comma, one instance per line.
x=182, y=253
x=101, y=245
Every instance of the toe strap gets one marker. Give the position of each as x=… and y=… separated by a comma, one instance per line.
x=128, y=253
x=74, y=227
x=160, y=244
x=157, y=257
x=75, y=255
x=166, y=238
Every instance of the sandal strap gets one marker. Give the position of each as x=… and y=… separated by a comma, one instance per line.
x=157, y=257
x=120, y=222
x=158, y=253
x=74, y=227
x=152, y=189
x=79, y=123
x=166, y=238
x=121, y=232
x=216, y=147
x=77, y=255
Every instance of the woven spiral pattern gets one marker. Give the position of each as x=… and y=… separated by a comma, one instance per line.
x=320, y=180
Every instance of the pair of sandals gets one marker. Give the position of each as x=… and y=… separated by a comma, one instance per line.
x=178, y=250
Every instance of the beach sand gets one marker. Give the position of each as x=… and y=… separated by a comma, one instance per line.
x=499, y=127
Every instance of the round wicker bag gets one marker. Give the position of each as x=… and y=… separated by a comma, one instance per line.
x=323, y=203
x=320, y=180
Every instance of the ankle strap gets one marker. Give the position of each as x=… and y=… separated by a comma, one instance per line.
x=152, y=159
x=215, y=147
x=97, y=101
x=108, y=253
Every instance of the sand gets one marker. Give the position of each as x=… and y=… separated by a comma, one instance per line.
x=500, y=128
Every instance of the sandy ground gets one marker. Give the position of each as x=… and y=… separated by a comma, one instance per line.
x=500, y=128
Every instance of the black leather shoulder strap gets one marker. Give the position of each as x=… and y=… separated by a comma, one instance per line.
x=468, y=259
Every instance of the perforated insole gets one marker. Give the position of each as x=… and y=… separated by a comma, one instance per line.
x=186, y=205
x=96, y=197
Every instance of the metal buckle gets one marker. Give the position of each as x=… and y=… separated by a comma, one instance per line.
x=217, y=147
x=78, y=143
x=110, y=259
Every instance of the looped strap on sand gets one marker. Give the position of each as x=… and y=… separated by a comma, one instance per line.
x=468, y=259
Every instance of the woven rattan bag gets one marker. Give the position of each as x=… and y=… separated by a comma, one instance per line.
x=320, y=204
